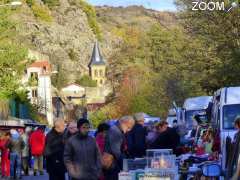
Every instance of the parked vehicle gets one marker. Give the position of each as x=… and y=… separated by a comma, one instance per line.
x=225, y=109
x=174, y=114
x=195, y=106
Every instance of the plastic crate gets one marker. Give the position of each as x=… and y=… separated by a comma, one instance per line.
x=134, y=164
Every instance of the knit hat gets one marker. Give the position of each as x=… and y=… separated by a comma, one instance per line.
x=82, y=121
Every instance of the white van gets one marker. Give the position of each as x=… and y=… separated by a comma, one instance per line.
x=226, y=107
x=193, y=106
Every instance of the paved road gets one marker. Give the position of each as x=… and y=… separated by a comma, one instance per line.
x=44, y=177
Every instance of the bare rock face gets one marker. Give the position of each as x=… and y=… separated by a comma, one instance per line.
x=67, y=40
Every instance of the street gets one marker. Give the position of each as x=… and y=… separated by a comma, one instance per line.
x=44, y=177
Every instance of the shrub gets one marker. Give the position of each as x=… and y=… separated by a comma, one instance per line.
x=30, y=2
x=51, y=3
x=72, y=55
x=87, y=81
x=41, y=13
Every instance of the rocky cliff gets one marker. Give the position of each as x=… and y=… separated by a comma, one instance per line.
x=67, y=38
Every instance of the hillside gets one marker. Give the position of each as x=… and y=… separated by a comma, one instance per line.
x=132, y=16
x=66, y=34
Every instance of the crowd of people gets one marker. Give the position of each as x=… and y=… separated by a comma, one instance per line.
x=73, y=151
x=18, y=148
x=69, y=149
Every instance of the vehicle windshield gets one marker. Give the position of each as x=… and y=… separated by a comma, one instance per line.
x=189, y=117
x=230, y=112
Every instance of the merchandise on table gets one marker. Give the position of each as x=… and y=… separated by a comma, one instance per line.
x=159, y=164
x=134, y=164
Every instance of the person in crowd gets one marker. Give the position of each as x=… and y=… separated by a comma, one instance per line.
x=234, y=168
x=168, y=138
x=101, y=135
x=25, y=151
x=70, y=131
x=15, y=145
x=54, y=149
x=37, y=145
x=137, y=137
x=208, y=141
x=101, y=139
x=152, y=134
x=5, y=162
x=183, y=132
x=116, y=147
x=81, y=155
x=175, y=124
x=200, y=148
x=162, y=141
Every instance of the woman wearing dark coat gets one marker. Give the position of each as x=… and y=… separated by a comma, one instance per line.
x=54, y=150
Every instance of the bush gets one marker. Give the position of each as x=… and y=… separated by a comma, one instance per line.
x=41, y=13
x=51, y=3
x=72, y=55
x=87, y=81
x=30, y=2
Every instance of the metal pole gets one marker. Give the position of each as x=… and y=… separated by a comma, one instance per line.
x=58, y=106
x=45, y=93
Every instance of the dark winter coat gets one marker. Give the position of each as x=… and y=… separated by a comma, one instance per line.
x=137, y=141
x=82, y=158
x=114, y=145
x=54, y=149
x=168, y=139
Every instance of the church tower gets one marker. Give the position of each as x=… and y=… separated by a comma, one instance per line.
x=97, y=66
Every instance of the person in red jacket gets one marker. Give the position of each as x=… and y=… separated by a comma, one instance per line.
x=5, y=162
x=37, y=145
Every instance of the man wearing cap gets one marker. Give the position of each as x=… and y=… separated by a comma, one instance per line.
x=81, y=155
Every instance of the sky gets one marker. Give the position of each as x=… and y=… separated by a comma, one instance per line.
x=160, y=5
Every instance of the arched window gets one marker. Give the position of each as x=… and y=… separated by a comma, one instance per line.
x=101, y=73
x=101, y=81
x=96, y=73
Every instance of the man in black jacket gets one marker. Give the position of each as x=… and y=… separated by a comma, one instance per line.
x=54, y=151
x=168, y=138
x=137, y=137
x=81, y=155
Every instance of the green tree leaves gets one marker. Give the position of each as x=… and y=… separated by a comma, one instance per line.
x=220, y=35
x=86, y=81
x=11, y=67
x=12, y=56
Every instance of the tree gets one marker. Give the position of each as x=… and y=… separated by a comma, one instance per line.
x=220, y=33
x=12, y=56
x=11, y=68
x=86, y=81
x=59, y=79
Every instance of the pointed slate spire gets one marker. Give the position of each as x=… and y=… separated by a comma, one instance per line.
x=96, y=58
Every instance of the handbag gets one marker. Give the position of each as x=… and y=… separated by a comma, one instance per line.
x=107, y=160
